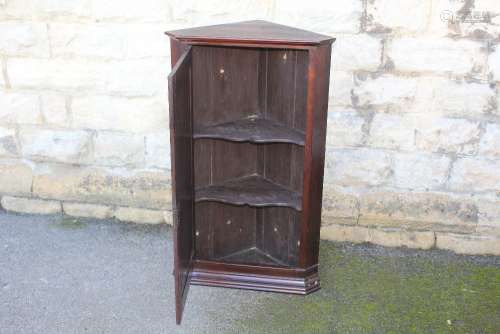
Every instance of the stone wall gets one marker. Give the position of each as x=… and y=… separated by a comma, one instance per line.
x=413, y=154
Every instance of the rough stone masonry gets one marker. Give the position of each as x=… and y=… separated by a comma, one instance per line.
x=413, y=154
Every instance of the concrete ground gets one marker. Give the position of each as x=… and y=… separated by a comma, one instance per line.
x=63, y=275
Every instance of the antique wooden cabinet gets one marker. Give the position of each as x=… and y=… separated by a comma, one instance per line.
x=248, y=108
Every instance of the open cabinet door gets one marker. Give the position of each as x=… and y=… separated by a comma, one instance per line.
x=181, y=140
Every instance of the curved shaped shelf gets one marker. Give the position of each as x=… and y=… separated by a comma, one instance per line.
x=251, y=190
x=252, y=129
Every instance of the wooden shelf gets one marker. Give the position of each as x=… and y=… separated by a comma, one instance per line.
x=252, y=129
x=252, y=256
x=251, y=190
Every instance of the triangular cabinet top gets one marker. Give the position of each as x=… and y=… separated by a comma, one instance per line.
x=250, y=32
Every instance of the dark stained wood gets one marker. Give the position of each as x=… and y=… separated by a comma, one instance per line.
x=233, y=229
x=314, y=161
x=280, y=236
x=203, y=162
x=300, y=91
x=226, y=84
x=252, y=129
x=229, y=233
x=177, y=49
x=252, y=255
x=250, y=32
x=180, y=96
x=283, y=165
x=204, y=233
x=232, y=161
x=248, y=269
x=248, y=133
x=259, y=278
x=287, y=73
x=250, y=190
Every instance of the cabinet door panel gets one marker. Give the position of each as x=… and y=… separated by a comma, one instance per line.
x=181, y=137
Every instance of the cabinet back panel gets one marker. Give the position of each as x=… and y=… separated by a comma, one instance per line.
x=279, y=234
x=224, y=230
x=283, y=164
x=230, y=84
x=216, y=161
x=287, y=87
x=225, y=84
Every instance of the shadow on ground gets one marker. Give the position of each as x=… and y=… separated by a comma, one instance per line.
x=64, y=275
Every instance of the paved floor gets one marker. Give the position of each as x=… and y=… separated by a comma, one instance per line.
x=61, y=275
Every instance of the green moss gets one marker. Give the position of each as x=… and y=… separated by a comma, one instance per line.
x=363, y=293
x=67, y=222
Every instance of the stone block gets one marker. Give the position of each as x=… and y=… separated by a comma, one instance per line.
x=158, y=150
x=490, y=142
x=471, y=174
x=358, y=167
x=130, y=10
x=121, y=114
x=88, y=40
x=341, y=86
x=18, y=108
x=141, y=216
x=402, y=238
x=16, y=177
x=21, y=39
x=104, y=186
x=109, y=40
x=8, y=142
x=345, y=128
x=118, y=149
x=133, y=78
x=442, y=208
x=384, y=237
x=386, y=92
x=345, y=233
x=55, y=74
x=488, y=231
x=69, y=146
x=54, y=111
x=389, y=223
x=418, y=171
x=390, y=15
x=460, y=98
x=136, y=78
x=438, y=55
x=47, y=9
x=351, y=221
x=494, y=63
x=481, y=19
x=357, y=52
x=87, y=210
x=342, y=16
x=199, y=13
x=393, y=132
x=30, y=205
x=468, y=244
x=489, y=211
x=338, y=204
x=145, y=41
x=447, y=135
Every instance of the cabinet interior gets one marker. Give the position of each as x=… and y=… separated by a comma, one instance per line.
x=249, y=115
